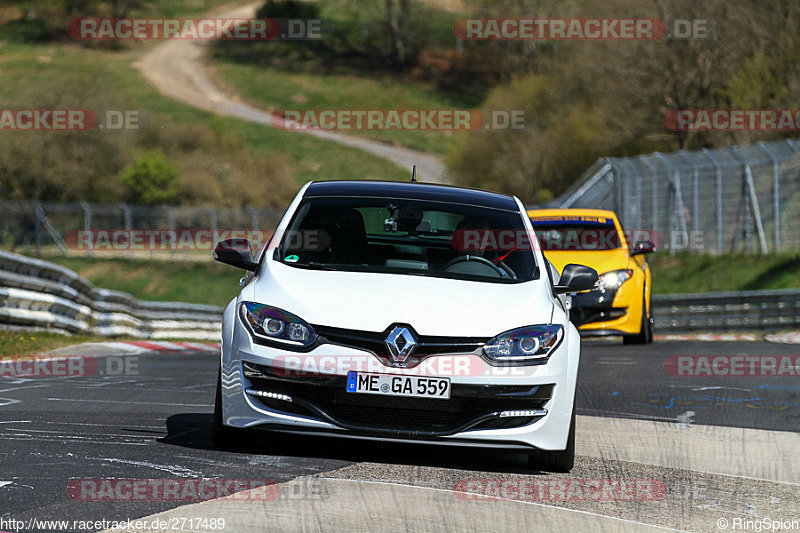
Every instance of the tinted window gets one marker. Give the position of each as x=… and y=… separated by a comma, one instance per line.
x=403, y=236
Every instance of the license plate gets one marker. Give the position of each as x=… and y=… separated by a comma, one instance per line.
x=393, y=385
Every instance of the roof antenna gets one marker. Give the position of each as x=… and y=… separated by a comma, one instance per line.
x=413, y=173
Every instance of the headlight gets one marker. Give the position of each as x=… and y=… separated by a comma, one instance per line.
x=524, y=344
x=276, y=324
x=611, y=281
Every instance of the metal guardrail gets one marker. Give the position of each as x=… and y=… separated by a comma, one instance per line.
x=724, y=311
x=36, y=293
x=41, y=294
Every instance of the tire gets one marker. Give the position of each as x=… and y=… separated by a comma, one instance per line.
x=222, y=436
x=561, y=461
x=645, y=335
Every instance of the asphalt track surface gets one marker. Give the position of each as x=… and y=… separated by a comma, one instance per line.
x=637, y=422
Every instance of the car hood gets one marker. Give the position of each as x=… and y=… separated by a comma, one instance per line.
x=373, y=302
x=602, y=261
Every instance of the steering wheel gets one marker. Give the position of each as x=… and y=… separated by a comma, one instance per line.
x=477, y=259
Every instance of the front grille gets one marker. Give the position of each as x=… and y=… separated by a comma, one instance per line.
x=325, y=398
x=374, y=343
x=403, y=414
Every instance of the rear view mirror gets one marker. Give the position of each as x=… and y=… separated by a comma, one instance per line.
x=235, y=252
x=576, y=278
x=643, y=247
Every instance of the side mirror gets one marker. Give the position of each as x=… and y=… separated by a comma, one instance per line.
x=576, y=278
x=235, y=252
x=643, y=247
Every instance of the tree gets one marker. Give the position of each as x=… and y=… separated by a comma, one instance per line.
x=152, y=178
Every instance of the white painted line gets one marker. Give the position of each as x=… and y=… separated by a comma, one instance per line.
x=175, y=470
x=4, y=483
x=136, y=403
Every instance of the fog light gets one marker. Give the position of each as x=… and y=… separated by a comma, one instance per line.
x=526, y=412
x=267, y=394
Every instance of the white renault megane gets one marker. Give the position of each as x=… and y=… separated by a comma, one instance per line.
x=404, y=312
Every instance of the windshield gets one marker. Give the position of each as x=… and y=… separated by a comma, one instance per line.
x=576, y=233
x=415, y=237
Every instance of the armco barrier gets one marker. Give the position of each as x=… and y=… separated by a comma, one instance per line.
x=40, y=294
x=724, y=311
x=36, y=293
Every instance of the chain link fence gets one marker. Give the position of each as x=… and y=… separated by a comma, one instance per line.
x=37, y=228
x=735, y=199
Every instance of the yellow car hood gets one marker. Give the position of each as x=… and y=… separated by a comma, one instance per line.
x=602, y=261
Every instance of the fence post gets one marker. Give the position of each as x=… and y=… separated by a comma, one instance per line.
x=718, y=168
x=695, y=192
x=748, y=174
x=776, y=188
x=43, y=222
x=212, y=216
x=128, y=217
x=87, y=225
x=635, y=172
x=616, y=176
x=171, y=227
x=586, y=186
x=676, y=190
x=654, y=179
x=38, y=228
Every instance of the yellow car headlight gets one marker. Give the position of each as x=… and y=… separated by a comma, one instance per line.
x=611, y=281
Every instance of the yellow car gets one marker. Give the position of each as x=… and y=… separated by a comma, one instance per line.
x=620, y=302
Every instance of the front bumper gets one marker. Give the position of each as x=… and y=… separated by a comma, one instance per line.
x=256, y=384
x=600, y=313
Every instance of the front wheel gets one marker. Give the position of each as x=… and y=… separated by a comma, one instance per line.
x=560, y=461
x=222, y=436
x=645, y=335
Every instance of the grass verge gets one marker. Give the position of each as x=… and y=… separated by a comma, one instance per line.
x=15, y=343
x=99, y=79
x=274, y=89
x=171, y=281
x=692, y=273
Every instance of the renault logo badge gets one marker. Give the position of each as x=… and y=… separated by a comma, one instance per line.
x=401, y=344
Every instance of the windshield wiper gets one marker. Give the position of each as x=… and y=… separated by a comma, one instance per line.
x=313, y=265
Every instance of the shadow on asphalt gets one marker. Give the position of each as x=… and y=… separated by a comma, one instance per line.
x=193, y=430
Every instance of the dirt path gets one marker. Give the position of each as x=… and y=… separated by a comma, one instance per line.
x=177, y=69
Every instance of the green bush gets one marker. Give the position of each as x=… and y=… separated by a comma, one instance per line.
x=152, y=178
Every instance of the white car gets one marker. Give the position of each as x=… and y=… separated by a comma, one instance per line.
x=403, y=312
